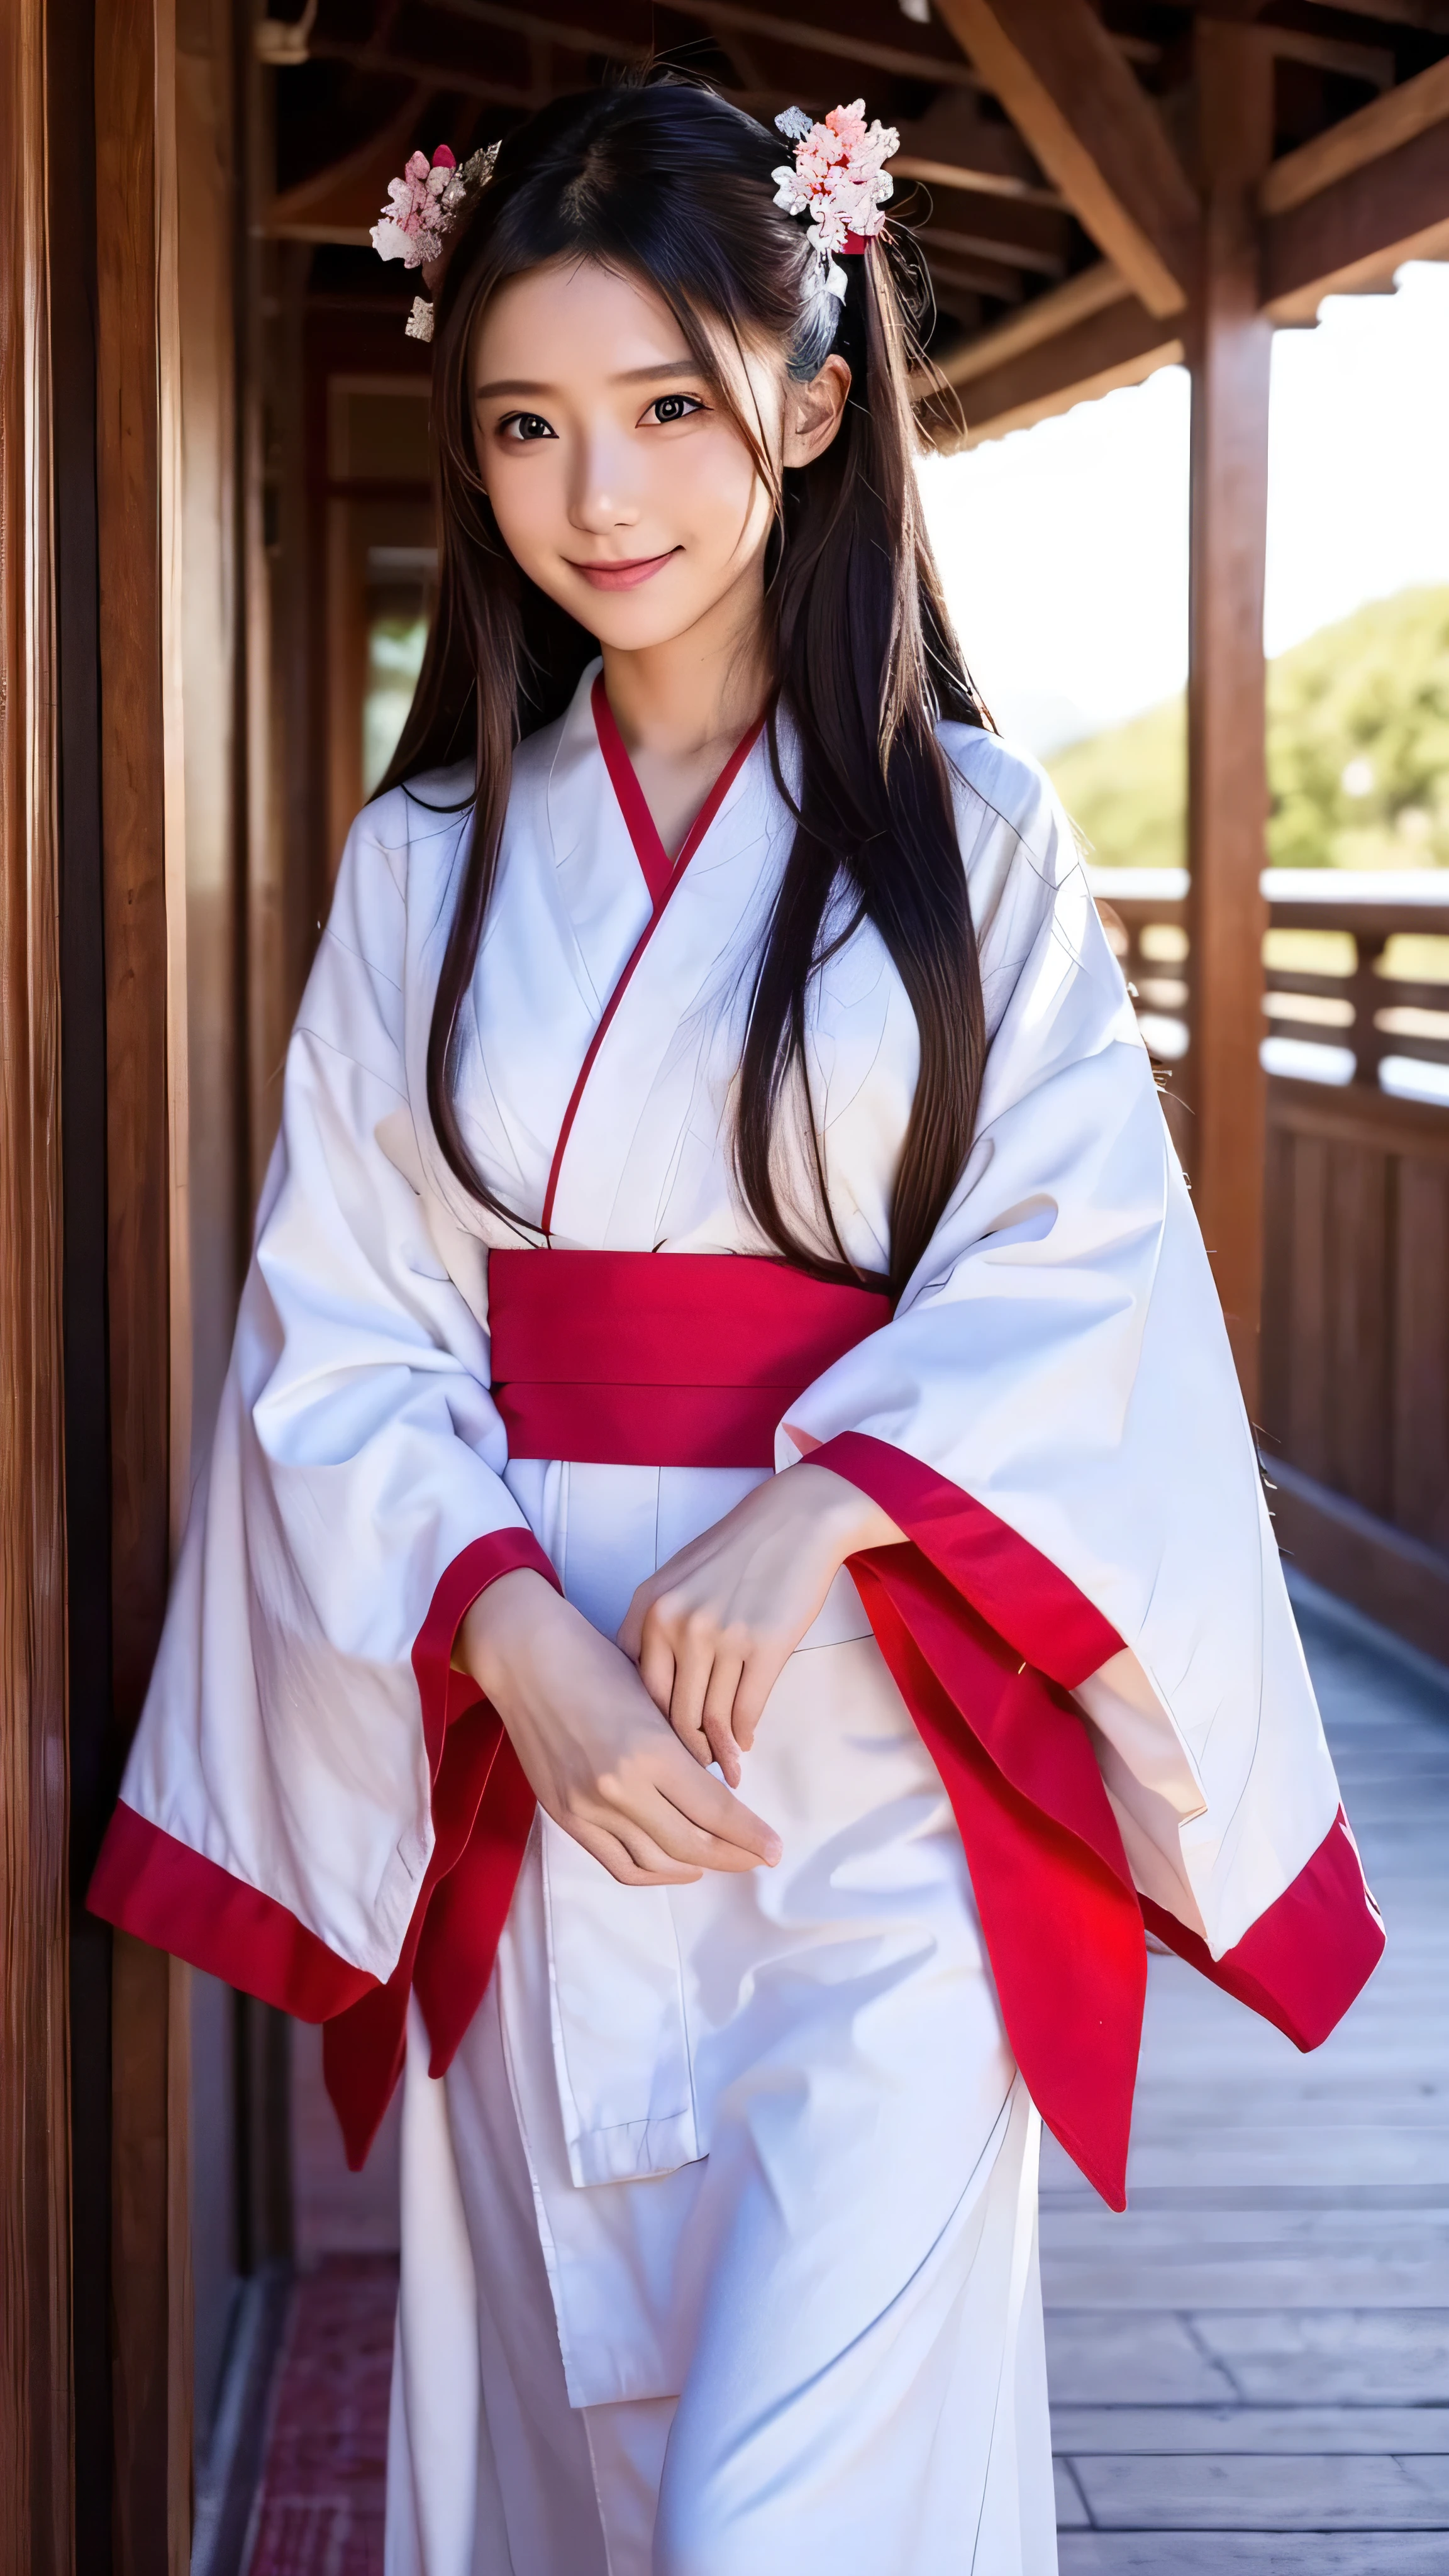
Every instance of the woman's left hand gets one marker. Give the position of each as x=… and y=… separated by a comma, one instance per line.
x=711, y=1632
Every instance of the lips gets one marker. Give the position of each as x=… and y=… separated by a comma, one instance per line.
x=625, y=576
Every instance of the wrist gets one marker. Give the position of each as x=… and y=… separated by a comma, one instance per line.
x=849, y=1519
x=502, y=1618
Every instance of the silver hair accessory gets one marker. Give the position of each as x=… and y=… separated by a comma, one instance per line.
x=422, y=210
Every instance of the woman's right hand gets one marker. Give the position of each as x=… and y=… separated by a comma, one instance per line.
x=597, y=1755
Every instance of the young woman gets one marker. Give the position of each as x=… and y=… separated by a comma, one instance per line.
x=734, y=1574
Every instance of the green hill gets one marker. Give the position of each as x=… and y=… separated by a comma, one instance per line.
x=1358, y=753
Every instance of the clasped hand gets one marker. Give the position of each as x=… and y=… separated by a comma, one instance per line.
x=712, y=1631
x=616, y=1745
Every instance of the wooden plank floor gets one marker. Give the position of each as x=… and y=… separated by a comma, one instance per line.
x=1251, y=2369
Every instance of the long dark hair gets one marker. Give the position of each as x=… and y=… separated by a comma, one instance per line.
x=664, y=181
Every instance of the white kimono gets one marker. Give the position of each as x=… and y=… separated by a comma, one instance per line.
x=719, y=2210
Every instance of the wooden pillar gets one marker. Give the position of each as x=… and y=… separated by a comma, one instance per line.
x=1230, y=345
x=35, y=2378
x=142, y=805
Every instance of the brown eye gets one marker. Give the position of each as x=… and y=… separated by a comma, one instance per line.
x=525, y=425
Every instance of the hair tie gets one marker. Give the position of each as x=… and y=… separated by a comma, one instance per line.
x=422, y=210
x=837, y=178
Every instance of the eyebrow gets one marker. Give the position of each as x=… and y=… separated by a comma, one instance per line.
x=632, y=376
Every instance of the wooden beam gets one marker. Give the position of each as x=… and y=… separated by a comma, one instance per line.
x=953, y=146
x=1352, y=230
x=1031, y=237
x=801, y=35
x=571, y=36
x=1038, y=361
x=974, y=176
x=1071, y=345
x=1354, y=233
x=1398, y=117
x=947, y=148
x=1231, y=347
x=436, y=75
x=1046, y=318
x=1373, y=65
x=340, y=203
x=841, y=45
x=1432, y=16
x=1121, y=346
x=36, y=2435
x=958, y=271
x=1094, y=130
x=940, y=242
x=838, y=43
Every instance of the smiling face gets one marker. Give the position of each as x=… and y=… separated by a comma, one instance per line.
x=618, y=478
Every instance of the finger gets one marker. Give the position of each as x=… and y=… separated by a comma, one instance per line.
x=708, y=1663
x=695, y=1641
x=718, y=1719
x=691, y=1845
x=761, y=1669
x=694, y=1740
x=656, y=1661
x=707, y=1803
x=633, y=1868
x=631, y=1627
x=659, y=1834
x=659, y=1848
x=662, y=1842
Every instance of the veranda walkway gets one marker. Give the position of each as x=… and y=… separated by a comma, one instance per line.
x=1251, y=2369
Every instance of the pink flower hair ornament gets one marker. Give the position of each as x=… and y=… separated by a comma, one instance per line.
x=838, y=179
x=422, y=211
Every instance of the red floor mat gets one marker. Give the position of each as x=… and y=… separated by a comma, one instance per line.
x=320, y=2512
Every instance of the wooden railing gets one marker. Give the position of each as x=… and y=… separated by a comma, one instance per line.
x=1355, y=1370
x=1352, y=965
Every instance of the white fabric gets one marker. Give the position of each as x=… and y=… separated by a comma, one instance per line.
x=857, y=2310
x=766, y=2143
x=1059, y=1353
x=817, y=2321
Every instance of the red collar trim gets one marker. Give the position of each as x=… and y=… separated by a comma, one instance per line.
x=660, y=872
x=660, y=876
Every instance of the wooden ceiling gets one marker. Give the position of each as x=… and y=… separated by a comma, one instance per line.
x=1047, y=161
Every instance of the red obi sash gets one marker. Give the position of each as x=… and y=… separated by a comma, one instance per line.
x=653, y=1359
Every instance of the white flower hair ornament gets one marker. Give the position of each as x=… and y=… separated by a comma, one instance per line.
x=422, y=210
x=838, y=179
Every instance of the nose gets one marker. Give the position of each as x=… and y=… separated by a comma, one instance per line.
x=601, y=500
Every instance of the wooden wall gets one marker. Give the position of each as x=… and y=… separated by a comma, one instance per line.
x=1355, y=1401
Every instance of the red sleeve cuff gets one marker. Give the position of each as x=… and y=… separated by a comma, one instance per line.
x=1304, y=1960
x=149, y=1884
x=1017, y=1590
x=445, y=1694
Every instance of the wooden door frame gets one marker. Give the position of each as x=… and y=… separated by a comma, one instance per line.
x=36, y=2436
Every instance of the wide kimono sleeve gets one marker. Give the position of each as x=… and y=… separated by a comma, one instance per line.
x=307, y=1766
x=1090, y=1621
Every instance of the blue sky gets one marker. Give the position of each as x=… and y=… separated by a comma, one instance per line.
x=1064, y=547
